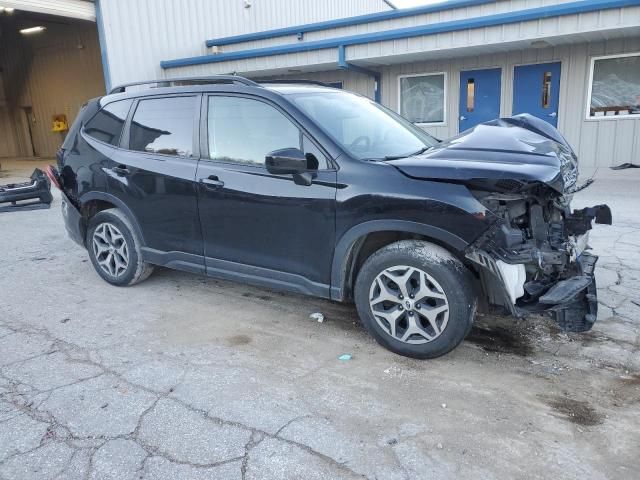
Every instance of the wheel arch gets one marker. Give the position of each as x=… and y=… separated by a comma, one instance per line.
x=360, y=241
x=94, y=202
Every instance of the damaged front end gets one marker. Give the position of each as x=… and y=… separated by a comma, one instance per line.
x=534, y=258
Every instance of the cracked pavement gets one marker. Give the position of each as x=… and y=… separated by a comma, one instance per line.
x=185, y=377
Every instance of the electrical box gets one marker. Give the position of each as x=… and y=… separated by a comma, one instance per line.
x=59, y=123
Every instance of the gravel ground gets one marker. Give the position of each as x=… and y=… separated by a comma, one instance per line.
x=185, y=377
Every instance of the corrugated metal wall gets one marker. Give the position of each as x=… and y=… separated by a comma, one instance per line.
x=142, y=33
x=54, y=72
x=599, y=142
x=446, y=45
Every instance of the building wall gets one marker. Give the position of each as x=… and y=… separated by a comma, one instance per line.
x=598, y=141
x=440, y=45
x=54, y=73
x=139, y=34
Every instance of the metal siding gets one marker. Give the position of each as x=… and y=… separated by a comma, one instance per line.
x=597, y=142
x=139, y=34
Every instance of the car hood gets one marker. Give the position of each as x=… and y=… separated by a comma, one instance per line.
x=506, y=154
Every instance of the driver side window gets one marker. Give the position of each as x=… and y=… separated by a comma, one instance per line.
x=243, y=130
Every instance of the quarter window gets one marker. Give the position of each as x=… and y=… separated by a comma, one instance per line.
x=106, y=125
x=422, y=98
x=243, y=130
x=164, y=125
x=615, y=86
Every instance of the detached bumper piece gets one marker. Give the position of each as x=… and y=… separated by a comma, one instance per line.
x=574, y=302
x=32, y=195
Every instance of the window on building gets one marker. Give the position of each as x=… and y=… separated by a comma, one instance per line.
x=422, y=98
x=546, y=90
x=164, y=125
x=471, y=94
x=615, y=86
x=243, y=130
x=106, y=125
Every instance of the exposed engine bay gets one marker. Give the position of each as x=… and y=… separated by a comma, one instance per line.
x=537, y=247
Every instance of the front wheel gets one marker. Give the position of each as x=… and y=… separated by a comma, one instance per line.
x=416, y=299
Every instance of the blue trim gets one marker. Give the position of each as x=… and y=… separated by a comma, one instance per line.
x=408, y=32
x=103, y=47
x=300, y=30
x=343, y=64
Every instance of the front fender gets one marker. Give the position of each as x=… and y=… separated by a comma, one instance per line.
x=349, y=241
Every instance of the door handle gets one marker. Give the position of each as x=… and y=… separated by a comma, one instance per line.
x=212, y=181
x=553, y=114
x=462, y=117
x=121, y=170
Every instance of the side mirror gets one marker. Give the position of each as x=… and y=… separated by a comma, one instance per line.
x=286, y=161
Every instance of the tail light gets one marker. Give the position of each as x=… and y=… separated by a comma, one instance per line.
x=54, y=176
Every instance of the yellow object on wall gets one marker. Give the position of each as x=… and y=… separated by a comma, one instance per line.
x=59, y=123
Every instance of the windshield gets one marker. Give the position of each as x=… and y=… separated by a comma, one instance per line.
x=362, y=127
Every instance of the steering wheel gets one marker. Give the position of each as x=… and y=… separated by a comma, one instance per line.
x=362, y=139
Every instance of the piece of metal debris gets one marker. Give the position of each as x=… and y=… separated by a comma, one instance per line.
x=319, y=317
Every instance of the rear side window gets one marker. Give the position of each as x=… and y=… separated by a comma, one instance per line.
x=107, y=124
x=164, y=125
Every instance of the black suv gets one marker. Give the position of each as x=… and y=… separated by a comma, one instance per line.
x=314, y=190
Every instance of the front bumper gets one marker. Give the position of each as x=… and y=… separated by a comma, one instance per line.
x=573, y=303
x=566, y=292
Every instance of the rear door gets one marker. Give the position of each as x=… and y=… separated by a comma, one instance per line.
x=536, y=90
x=154, y=175
x=479, y=97
x=256, y=225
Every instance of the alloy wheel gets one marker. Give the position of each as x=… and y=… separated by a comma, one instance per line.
x=110, y=249
x=409, y=304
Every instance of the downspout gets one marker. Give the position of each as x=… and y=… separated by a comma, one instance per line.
x=343, y=64
x=103, y=47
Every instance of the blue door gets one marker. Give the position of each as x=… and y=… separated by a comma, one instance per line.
x=536, y=90
x=479, y=97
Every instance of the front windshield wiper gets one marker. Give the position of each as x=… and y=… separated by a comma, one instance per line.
x=406, y=155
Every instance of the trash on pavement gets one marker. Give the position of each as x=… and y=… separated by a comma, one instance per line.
x=319, y=317
x=345, y=357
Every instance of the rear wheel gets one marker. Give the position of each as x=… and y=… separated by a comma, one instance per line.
x=415, y=298
x=115, y=249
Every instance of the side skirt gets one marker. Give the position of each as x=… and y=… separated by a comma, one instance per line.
x=237, y=272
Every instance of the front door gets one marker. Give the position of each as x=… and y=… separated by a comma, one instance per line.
x=257, y=226
x=536, y=90
x=479, y=97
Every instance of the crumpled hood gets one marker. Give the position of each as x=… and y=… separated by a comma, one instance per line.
x=504, y=154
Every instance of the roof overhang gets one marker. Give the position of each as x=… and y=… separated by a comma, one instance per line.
x=79, y=9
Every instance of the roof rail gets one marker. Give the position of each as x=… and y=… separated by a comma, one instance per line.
x=293, y=82
x=167, y=82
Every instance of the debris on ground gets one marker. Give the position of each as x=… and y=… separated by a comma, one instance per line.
x=345, y=357
x=624, y=166
x=319, y=317
x=31, y=195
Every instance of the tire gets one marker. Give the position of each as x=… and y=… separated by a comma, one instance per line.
x=116, y=237
x=439, y=315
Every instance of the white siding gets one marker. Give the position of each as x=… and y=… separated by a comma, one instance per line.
x=141, y=33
